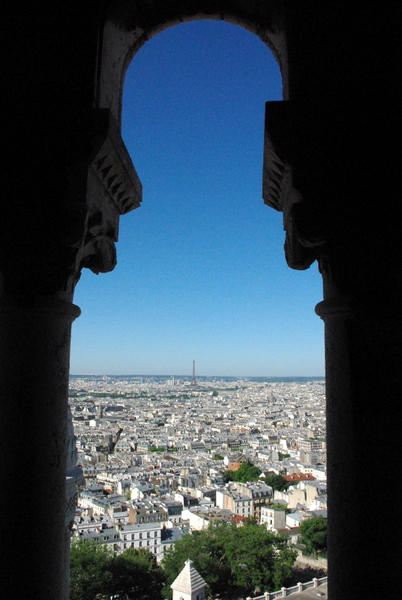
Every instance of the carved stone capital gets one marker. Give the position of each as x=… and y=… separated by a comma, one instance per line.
x=73, y=220
x=112, y=188
x=112, y=167
x=99, y=255
x=277, y=173
x=303, y=219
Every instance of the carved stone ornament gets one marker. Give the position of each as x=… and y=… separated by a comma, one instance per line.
x=277, y=174
x=112, y=165
x=99, y=255
x=278, y=190
x=112, y=189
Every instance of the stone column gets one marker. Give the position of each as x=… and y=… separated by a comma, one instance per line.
x=363, y=365
x=323, y=173
x=34, y=370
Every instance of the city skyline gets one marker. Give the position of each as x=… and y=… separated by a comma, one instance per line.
x=201, y=270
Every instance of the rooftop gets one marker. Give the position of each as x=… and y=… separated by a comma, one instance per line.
x=188, y=580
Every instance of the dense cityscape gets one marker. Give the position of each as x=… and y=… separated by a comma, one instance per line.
x=155, y=453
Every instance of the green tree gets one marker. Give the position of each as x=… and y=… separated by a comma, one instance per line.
x=246, y=472
x=96, y=573
x=233, y=560
x=281, y=506
x=89, y=573
x=314, y=534
x=135, y=575
x=229, y=475
x=277, y=482
x=250, y=520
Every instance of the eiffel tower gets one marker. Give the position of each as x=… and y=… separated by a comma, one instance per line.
x=193, y=379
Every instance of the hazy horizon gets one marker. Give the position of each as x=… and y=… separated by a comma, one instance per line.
x=189, y=376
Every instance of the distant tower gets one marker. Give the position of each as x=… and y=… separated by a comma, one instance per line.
x=270, y=397
x=193, y=379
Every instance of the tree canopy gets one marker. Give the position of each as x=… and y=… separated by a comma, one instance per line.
x=280, y=506
x=246, y=472
x=233, y=560
x=314, y=534
x=96, y=573
x=276, y=482
x=89, y=576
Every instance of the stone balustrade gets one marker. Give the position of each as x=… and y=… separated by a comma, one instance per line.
x=284, y=592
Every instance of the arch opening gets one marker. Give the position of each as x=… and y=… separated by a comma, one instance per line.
x=337, y=139
x=193, y=123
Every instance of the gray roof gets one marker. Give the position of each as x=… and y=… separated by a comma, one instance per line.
x=188, y=580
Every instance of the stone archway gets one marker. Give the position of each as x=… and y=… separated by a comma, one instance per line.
x=127, y=27
x=331, y=166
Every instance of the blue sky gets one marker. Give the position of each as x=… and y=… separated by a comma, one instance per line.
x=201, y=271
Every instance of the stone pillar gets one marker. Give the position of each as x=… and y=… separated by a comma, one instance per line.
x=363, y=346
x=34, y=370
